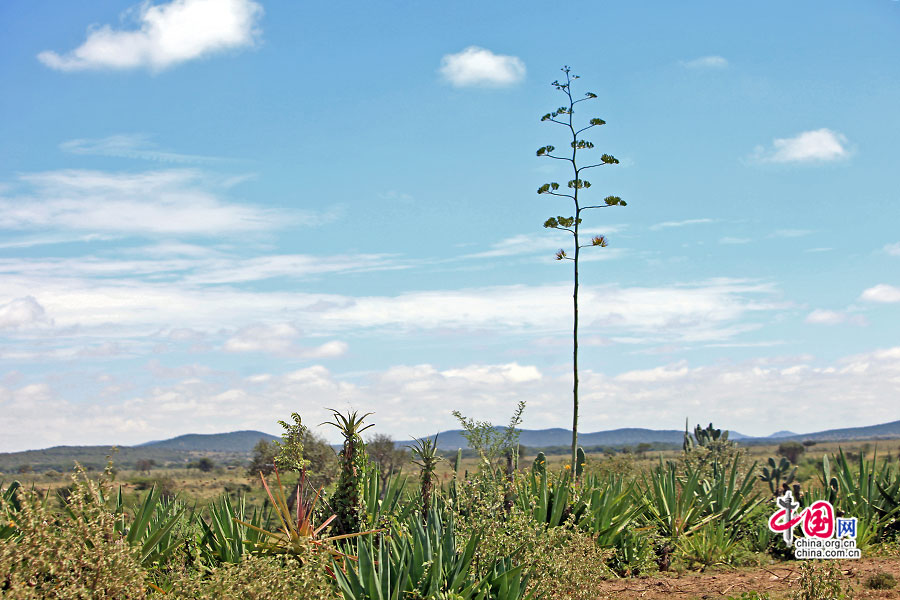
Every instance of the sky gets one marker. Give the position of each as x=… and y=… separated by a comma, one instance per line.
x=214, y=213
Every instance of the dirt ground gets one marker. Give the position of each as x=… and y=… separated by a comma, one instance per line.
x=776, y=580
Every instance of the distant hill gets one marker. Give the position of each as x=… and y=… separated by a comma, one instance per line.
x=236, y=441
x=547, y=438
x=783, y=433
x=871, y=432
x=235, y=447
x=223, y=448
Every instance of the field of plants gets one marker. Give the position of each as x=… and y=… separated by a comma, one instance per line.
x=690, y=524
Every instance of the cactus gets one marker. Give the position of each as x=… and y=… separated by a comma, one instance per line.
x=774, y=473
x=580, y=460
x=539, y=466
x=703, y=437
x=457, y=463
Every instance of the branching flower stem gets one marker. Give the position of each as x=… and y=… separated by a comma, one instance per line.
x=572, y=224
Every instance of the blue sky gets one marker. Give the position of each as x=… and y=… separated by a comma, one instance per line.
x=214, y=213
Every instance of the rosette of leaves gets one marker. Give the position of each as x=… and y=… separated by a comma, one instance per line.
x=347, y=501
x=426, y=457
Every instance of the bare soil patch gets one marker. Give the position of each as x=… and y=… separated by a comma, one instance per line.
x=777, y=580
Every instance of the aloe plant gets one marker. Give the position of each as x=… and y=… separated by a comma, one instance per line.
x=426, y=456
x=298, y=531
x=347, y=499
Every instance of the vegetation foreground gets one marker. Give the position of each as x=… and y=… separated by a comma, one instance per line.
x=354, y=527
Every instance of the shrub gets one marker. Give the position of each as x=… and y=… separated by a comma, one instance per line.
x=261, y=578
x=81, y=556
x=822, y=581
x=791, y=451
x=881, y=581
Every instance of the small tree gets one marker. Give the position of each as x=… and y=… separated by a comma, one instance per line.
x=144, y=465
x=384, y=453
x=488, y=441
x=206, y=464
x=791, y=451
x=263, y=460
x=572, y=224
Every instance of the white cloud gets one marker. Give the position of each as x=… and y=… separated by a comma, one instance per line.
x=705, y=62
x=882, y=293
x=820, y=145
x=280, y=338
x=129, y=146
x=892, y=249
x=734, y=240
x=669, y=224
x=167, y=34
x=167, y=202
x=21, y=313
x=833, y=317
x=95, y=297
x=415, y=400
x=476, y=66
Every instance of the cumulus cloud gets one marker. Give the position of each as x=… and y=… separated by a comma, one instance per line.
x=166, y=35
x=174, y=201
x=892, y=249
x=705, y=62
x=21, y=313
x=476, y=66
x=882, y=293
x=280, y=338
x=417, y=399
x=834, y=317
x=820, y=145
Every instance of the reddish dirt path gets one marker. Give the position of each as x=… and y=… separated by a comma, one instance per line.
x=777, y=580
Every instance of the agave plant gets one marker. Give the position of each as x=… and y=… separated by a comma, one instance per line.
x=673, y=503
x=9, y=506
x=226, y=539
x=727, y=496
x=546, y=496
x=385, y=503
x=151, y=525
x=425, y=562
x=870, y=494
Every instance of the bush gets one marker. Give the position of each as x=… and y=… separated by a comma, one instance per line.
x=261, y=578
x=561, y=562
x=791, y=451
x=822, y=581
x=62, y=557
x=881, y=581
